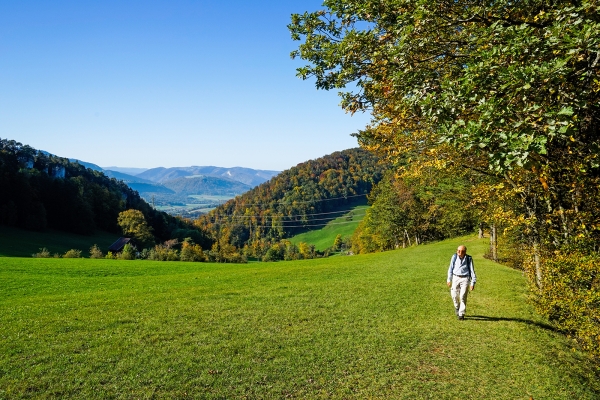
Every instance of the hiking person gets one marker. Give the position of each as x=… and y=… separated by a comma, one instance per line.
x=461, y=275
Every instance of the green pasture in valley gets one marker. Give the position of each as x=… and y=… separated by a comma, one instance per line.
x=373, y=326
x=324, y=237
x=16, y=242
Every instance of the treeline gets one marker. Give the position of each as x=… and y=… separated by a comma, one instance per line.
x=40, y=191
x=409, y=211
x=304, y=197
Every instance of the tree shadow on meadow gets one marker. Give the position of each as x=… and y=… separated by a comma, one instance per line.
x=542, y=325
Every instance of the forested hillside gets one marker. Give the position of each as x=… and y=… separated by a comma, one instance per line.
x=40, y=191
x=303, y=197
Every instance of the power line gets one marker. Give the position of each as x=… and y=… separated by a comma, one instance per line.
x=288, y=202
x=307, y=226
x=281, y=216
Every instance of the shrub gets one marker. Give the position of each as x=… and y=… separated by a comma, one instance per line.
x=43, y=253
x=163, y=252
x=274, y=253
x=570, y=296
x=144, y=254
x=191, y=251
x=95, y=252
x=110, y=256
x=73, y=253
x=128, y=252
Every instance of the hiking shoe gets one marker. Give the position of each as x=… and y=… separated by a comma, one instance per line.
x=461, y=317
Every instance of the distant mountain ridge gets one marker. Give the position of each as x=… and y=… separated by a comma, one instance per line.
x=187, y=190
x=125, y=177
x=125, y=170
x=178, y=190
x=195, y=185
x=247, y=176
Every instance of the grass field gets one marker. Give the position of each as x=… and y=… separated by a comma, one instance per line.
x=374, y=326
x=21, y=243
x=324, y=237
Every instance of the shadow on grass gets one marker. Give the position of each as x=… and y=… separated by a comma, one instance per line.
x=524, y=321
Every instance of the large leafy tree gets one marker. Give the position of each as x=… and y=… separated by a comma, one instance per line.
x=134, y=225
x=511, y=80
x=509, y=89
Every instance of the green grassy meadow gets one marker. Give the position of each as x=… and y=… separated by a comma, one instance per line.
x=16, y=242
x=377, y=326
x=324, y=237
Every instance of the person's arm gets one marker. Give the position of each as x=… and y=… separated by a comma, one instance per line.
x=473, y=276
x=449, y=279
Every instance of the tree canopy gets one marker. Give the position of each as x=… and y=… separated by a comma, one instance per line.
x=508, y=89
x=513, y=81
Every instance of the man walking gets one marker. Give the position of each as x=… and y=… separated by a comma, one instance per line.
x=460, y=273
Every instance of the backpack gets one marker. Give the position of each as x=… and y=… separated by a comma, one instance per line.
x=454, y=260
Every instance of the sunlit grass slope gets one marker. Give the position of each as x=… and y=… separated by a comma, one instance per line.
x=375, y=326
x=16, y=242
x=324, y=237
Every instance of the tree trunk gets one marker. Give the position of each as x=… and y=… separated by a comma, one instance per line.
x=493, y=242
x=538, y=268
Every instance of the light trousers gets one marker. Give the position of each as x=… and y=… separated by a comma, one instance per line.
x=459, y=292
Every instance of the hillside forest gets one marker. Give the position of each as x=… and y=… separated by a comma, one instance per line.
x=41, y=191
x=308, y=196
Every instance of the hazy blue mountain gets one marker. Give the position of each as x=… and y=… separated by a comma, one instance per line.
x=125, y=177
x=162, y=174
x=125, y=170
x=247, y=176
x=197, y=185
x=149, y=188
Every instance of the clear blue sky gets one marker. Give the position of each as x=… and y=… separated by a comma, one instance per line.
x=164, y=83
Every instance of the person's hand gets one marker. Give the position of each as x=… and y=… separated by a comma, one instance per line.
x=449, y=284
x=472, y=288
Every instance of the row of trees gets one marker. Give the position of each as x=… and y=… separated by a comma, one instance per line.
x=504, y=93
x=407, y=211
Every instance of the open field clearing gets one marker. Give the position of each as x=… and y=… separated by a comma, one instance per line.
x=324, y=237
x=374, y=326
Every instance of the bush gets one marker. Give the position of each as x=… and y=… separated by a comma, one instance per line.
x=144, y=254
x=275, y=253
x=95, y=252
x=570, y=296
x=191, y=251
x=43, y=253
x=163, y=252
x=73, y=253
x=128, y=252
